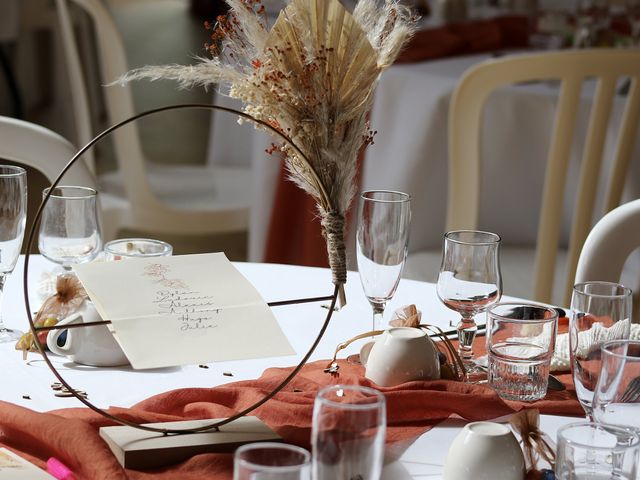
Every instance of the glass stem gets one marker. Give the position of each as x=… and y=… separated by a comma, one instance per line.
x=3, y=279
x=467, y=329
x=589, y=413
x=378, y=312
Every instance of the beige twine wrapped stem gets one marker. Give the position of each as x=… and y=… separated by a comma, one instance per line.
x=333, y=230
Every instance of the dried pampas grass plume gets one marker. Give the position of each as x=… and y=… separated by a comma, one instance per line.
x=312, y=77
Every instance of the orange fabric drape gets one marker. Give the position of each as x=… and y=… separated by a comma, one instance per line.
x=71, y=435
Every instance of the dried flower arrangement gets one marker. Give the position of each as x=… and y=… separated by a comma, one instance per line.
x=68, y=298
x=311, y=77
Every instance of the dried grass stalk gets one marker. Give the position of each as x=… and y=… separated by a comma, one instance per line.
x=312, y=77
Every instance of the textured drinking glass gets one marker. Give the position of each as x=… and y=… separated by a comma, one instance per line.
x=589, y=451
x=13, y=214
x=382, y=240
x=520, y=342
x=125, y=248
x=469, y=282
x=600, y=312
x=271, y=461
x=347, y=433
x=617, y=397
x=69, y=229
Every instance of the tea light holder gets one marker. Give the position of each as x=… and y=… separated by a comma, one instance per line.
x=125, y=248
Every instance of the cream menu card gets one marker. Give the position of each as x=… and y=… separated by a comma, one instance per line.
x=180, y=310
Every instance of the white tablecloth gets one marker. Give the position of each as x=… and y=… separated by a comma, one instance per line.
x=124, y=387
x=410, y=153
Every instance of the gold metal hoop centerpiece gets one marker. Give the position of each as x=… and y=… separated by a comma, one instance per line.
x=215, y=425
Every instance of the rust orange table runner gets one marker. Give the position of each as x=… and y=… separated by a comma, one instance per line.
x=71, y=435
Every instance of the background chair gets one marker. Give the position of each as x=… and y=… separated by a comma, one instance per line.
x=609, y=245
x=159, y=199
x=571, y=69
x=39, y=149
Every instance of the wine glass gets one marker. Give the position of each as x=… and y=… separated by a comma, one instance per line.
x=600, y=311
x=347, y=433
x=13, y=214
x=69, y=229
x=469, y=282
x=382, y=239
x=127, y=248
x=616, y=400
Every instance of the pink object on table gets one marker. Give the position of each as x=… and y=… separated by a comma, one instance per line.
x=59, y=470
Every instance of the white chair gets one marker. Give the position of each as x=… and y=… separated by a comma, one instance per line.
x=183, y=200
x=571, y=69
x=609, y=245
x=37, y=147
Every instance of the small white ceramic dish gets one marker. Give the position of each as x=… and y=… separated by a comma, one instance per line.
x=399, y=355
x=485, y=451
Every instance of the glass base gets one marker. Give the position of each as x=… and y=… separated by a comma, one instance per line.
x=474, y=373
x=7, y=335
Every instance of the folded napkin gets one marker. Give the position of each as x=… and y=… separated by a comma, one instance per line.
x=71, y=435
x=588, y=340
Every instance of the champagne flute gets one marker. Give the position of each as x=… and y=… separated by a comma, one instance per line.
x=600, y=311
x=13, y=214
x=616, y=400
x=382, y=239
x=469, y=282
x=69, y=229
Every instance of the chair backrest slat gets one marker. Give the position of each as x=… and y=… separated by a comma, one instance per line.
x=624, y=147
x=119, y=99
x=548, y=237
x=79, y=97
x=589, y=174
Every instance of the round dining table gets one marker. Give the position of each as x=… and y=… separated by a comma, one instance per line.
x=28, y=382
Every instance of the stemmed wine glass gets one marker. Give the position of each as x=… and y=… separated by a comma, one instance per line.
x=382, y=239
x=13, y=214
x=69, y=229
x=600, y=312
x=469, y=282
